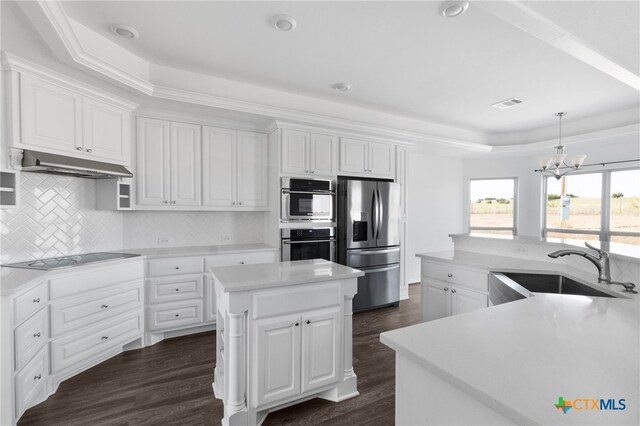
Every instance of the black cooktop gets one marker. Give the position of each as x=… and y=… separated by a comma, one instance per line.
x=67, y=261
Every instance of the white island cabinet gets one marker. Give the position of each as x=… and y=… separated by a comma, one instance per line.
x=283, y=334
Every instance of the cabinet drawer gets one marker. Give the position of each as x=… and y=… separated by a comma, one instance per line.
x=302, y=298
x=89, y=278
x=174, y=266
x=453, y=274
x=30, y=383
x=29, y=338
x=102, y=337
x=29, y=302
x=174, y=315
x=160, y=290
x=240, y=259
x=80, y=312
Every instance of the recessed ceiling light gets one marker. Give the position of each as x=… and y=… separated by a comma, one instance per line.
x=283, y=22
x=451, y=9
x=507, y=103
x=125, y=31
x=341, y=87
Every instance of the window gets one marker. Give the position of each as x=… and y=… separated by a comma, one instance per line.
x=492, y=206
x=594, y=206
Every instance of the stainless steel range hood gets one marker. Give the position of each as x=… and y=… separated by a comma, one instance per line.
x=42, y=162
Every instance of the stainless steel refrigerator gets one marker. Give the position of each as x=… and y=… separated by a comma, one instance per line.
x=369, y=239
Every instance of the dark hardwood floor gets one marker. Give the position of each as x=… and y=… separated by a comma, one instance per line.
x=170, y=383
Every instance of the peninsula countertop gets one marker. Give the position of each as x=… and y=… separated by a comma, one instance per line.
x=519, y=357
x=266, y=275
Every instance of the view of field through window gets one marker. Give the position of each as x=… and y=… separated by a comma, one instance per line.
x=491, y=205
x=575, y=203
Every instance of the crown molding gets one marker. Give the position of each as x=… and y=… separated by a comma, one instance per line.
x=13, y=63
x=201, y=119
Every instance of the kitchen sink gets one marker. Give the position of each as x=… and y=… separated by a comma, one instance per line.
x=510, y=286
x=557, y=284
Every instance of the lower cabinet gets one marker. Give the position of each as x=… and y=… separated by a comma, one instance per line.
x=296, y=354
x=451, y=290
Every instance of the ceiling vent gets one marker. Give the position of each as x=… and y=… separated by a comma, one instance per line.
x=507, y=103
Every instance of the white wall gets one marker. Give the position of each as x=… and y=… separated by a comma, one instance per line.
x=530, y=182
x=435, y=207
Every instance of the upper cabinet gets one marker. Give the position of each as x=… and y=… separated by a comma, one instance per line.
x=235, y=169
x=57, y=119
x=366, y=158
x=169, y=167
x=304, y=153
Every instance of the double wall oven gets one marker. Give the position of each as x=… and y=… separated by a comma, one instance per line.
x=308, y=213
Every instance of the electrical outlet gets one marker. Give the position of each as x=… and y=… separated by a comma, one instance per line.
x=521, y=249
x=225, y=237
x=163, y=241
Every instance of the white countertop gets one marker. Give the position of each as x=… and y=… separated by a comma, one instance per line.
x=12, y=279
x=519, y=357
x=199, y=250
x=266, y=275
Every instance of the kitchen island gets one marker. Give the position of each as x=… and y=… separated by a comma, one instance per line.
x=511, y=363
x=283, y=335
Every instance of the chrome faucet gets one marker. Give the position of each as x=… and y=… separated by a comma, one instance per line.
x=601, y=261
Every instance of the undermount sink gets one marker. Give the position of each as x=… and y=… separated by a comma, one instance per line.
x=557, y=284
x=511, y=286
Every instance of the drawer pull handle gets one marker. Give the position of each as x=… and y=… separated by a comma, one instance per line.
x=453, y=290
x=36, y=335
x=105, y=337
x=177, y=289
x=446, y=289
x=37, y=300
x=296, y=324
x=38, y=377
x=177, y=267
x=308, y=322
x=450, y=275
x=177, y=315
x=104, y=306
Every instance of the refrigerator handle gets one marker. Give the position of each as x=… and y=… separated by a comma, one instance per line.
x=379, y=214
x=374, y=215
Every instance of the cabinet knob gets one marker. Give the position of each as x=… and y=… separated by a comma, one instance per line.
x=78, y=148
x=36, y=335
x=233, y=202
x=37, y=377
x=165, y=202
x=306, y=171
x=177, y=289
x=446, y=289
x=105, y=337
x=242, y=262
x=240, y=203
x=173, y=202
x=89, y=150
x=308, y=322
x=296, y=324
x=177, y=315
x=313, y=172
x=453, y=290
x=36, y=300
x=104, y=306
x=450, y=275
x=177, y=267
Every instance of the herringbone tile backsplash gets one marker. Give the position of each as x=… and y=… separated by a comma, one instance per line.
x=57, y=217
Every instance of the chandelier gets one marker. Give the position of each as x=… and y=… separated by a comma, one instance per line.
x=555, y=163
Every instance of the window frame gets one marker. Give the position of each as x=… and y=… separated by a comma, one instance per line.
x=514, y=228
x=605, y=233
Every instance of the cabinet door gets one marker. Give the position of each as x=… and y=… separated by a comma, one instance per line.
x=106, y=131
x=252, y=169
x=276, y=359
x=295, y=152
x=381, y=159
x=218, y=166
x=436, y=301
x=322, y=155
x=51, y=117
x=152, y=175
x=185, y=165
x=353, y=155
x=209, y=299
x=320, y=348
x=463, y=300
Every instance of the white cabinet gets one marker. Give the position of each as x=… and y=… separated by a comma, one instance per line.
x=235, y=169
x=306, y=153
x=169, y=164
x=359, y=157
x=56, y=119
x=320, y=348
x=451, y=289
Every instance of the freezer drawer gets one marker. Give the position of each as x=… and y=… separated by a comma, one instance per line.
x=360, y=258
x=379, y=286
